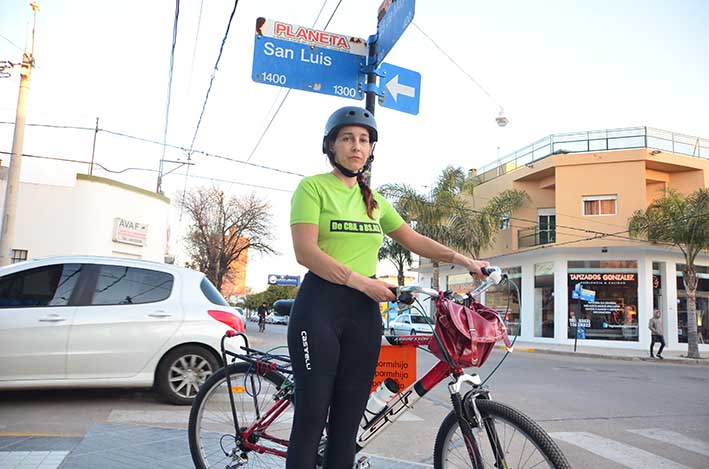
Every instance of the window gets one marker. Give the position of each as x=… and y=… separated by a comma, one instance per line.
x=505, y=221
x=44, y=286
x=18, y=255
x=211, y=292
x=544, y=300
x=121, y=285
x=600, y=205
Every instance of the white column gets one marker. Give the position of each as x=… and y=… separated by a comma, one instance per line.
x=527, y=312
x=669, y=304
x=644, y=299
x=561, y=300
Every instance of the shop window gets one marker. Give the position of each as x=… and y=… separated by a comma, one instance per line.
x=614, y=313
x=460, y=283
x=701, y=304
x=503, y=299
x=544, y=300
x=18, y=255
x=600, y=205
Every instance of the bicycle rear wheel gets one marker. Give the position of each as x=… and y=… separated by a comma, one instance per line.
x=211, y=427
x=508, y=439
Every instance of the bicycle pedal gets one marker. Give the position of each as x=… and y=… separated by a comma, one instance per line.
x=363, y=463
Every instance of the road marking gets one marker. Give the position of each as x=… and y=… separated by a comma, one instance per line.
x=151, y=416
x=43, y=459
x=675, y=439
x=626, y=455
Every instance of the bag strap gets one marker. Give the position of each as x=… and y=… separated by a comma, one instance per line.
x=473, y=334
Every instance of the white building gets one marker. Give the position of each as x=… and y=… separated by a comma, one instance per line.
x=94, y=216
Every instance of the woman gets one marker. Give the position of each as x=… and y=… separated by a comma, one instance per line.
x=338, y=224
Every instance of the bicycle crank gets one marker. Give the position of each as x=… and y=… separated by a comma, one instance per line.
x=363, y=463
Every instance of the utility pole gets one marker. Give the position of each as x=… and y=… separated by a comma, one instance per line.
x=13, y=177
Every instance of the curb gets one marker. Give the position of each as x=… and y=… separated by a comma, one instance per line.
x=672, y=360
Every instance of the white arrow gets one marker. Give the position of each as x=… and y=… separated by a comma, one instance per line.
x=395, y=88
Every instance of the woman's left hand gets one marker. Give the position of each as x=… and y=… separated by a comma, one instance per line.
x=474, y=267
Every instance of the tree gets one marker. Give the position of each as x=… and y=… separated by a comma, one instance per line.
x=682, y=221
x=270, y=295
x=397, y=255
x=223, y=228
x=445, y=214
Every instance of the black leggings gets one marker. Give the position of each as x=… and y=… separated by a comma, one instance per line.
x=334, y=335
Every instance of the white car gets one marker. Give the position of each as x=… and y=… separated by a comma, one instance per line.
x=409, y=324
x=86, y=321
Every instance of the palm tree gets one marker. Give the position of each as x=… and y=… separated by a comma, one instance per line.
x=682, y=221
x=397, y=255
x=444, y=214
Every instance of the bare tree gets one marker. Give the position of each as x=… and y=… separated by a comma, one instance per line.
x=222, y=229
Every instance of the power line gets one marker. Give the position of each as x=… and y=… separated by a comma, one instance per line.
x=457, y=65
x=8, y=40
x=69, y=160
x=214, y=72
x=169, y=92
x=268, y=126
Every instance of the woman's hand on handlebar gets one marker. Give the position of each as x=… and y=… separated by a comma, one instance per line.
x=474, y=267
x=375, y=289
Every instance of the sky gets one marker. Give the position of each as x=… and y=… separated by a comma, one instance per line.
x=554, y=66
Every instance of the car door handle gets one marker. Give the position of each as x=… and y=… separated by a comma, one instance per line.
x=160, y=314
x=52, y=318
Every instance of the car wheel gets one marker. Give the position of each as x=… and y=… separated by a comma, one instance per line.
x=182, y=371
x=413, y=331
x=392, y=331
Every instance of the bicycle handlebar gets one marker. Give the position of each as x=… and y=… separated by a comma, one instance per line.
x=494, y=276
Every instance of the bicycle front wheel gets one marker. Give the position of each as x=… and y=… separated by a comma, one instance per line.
x=211, y=431
x=508, y=439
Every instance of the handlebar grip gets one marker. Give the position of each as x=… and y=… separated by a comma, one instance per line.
x=487, y=270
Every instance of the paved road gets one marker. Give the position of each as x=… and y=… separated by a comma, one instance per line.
x=605, y=414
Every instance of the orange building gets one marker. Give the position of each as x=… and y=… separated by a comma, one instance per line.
x=583, y=188
x=234, y=285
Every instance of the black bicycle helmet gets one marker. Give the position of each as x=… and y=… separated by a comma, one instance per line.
x=349, y=115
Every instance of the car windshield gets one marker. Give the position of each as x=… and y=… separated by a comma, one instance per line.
x=418, y=320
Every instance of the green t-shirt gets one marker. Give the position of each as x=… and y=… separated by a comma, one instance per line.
x=345, y=232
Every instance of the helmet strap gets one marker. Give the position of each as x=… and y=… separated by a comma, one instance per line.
x=347, y=172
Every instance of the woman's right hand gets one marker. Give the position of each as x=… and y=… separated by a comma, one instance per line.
x=375, y=289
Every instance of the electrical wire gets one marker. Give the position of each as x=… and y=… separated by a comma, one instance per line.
x=458, y=65
x=268, y=126
x=169, y=90
x=8, y=40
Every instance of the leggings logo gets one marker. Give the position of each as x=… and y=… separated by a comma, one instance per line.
x=306, y=349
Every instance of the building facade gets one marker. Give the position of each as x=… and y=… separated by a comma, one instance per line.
x=94, y=216
x=583, y=188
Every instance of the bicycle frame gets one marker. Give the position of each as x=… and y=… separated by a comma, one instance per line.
x=404, y=401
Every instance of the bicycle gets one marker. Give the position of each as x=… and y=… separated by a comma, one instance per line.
x=242, y=414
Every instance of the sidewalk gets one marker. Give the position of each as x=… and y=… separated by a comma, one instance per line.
x=590, y=351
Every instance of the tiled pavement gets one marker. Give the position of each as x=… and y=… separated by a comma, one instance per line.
x=119, y=446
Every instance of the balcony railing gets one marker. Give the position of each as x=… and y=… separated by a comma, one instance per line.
x=535, y=236
x=597, y=140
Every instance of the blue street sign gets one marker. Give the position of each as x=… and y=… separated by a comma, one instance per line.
x=292, y=280
x=401, y=88
x=302, y=58
x=393, y=18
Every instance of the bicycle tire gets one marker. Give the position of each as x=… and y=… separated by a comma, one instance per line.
x=211, y=424
x=525, y=443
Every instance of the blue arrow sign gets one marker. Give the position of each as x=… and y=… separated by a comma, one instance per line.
x=302, y=58
x=400, y=87
x=394, y=16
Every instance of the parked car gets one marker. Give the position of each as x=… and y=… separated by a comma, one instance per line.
x=85, y=321
x=275, y=318
x=409, y=324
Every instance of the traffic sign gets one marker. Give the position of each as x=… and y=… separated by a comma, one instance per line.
x=393, y=17
x=292, y=280
x=400, y=87
x=306, y=59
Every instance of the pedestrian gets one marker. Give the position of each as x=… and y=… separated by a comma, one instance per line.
x=262, y=311
x=338, y=224
x=655, y=326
